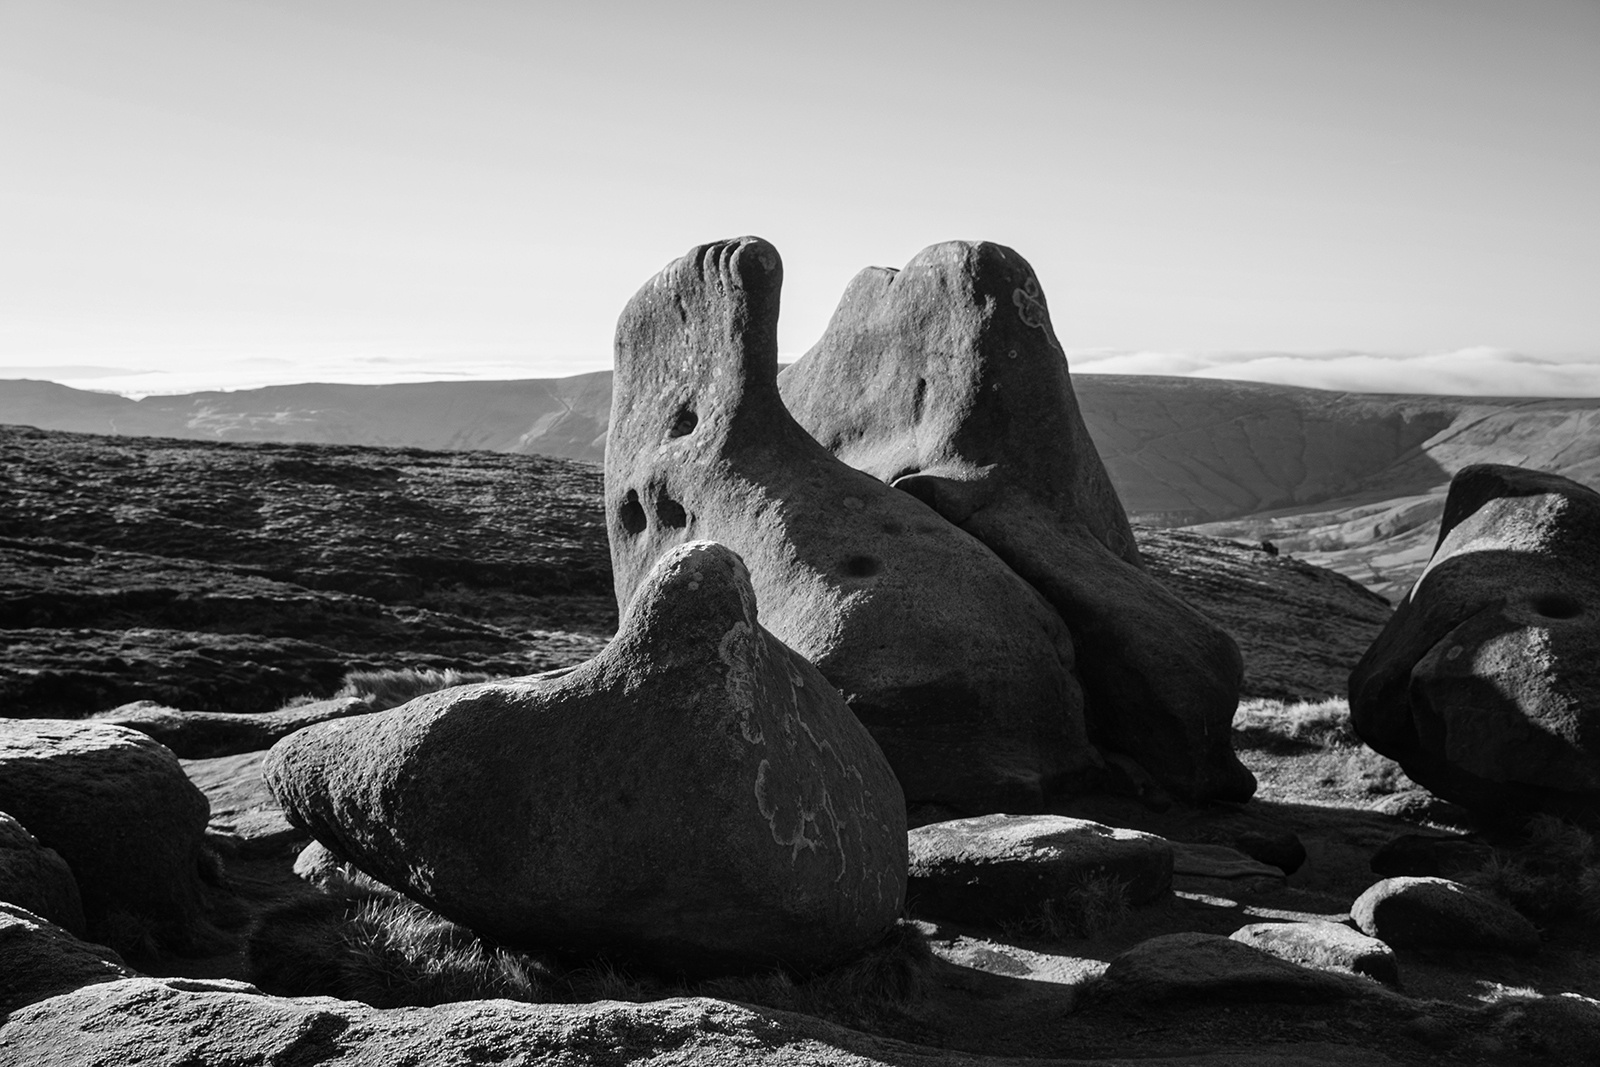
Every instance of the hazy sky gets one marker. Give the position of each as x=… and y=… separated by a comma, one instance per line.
x=1386, y=194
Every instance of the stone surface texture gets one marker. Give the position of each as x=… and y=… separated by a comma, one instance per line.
x=1211, y=967
x=1325, y=946
x=118, y=808
x=1006, y=868
x=209, y=734
x=1417, y=912
x=39, y=959
x=37, y=878
x=961, y=671
x=945, y=379
x=696, y=797
x=1485, y=685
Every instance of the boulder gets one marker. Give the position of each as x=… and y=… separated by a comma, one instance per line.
x=118, y=808
x=1211, y=967
x=696, y=797
x=1438, y=913
x=1324, y=946
x=209, y=734
x=996, y=869
x=37, y=878
x=39, y=959
x=1485, y=685
x=960, y=670
x=1430, y=855
x=1219, y=861
x=946, y=380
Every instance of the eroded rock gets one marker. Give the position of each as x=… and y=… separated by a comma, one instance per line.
x=39, y=959
x=946, y=380
x=696, y=797
x=1208, y=966
x=209, y=734
x=960, y=670
x=37, y=878
x=1419, y=912
x=1325, y=946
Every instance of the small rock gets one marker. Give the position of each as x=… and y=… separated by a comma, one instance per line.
x=1218, y=861
x=39, y=959
x=1438, y=913
x=1282, y=849
x=37, y=878
x=1325, y=946
x=1428, y=855
x=318, y=865
x=117, y=807
x=1419, y=805
x=1005, y=868
x=209, y=734
x=1207, y=966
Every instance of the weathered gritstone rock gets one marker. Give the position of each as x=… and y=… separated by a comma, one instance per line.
x=145, y=1022
x=1439, y=913
x=37, y=878
x=118, y=808
x=39, y=959
x=1485, y=686
x=696, y=797
x=1323, y=945
x=1207, y=966
x=961, y=671
x=209, y=734
x=946, y=380
x=1009, y=868
x=246, y=819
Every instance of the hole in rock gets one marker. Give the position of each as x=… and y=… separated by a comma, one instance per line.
x=1557, y=606
x=631, y=514
x=683, y=423
x=862, y=566
x=671, y=513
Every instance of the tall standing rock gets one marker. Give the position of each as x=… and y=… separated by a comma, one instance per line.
x=961, y=671
x=1485, y=685
x=696, y=797
x=946, y=380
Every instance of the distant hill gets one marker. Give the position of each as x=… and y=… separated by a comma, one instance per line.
x=1347, y=480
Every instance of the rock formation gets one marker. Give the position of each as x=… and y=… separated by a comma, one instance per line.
x=961, y=671
x=37, y=878
x=696, y=797
x=1485, y=685
x=119, y=809
x=945, y=379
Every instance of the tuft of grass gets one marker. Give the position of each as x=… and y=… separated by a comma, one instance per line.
x=1552, y=875
x=1092, y=905
x=387, y=951
x=1276, y=725
x=384, y=689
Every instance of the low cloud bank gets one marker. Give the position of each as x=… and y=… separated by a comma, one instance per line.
x=1465, y=372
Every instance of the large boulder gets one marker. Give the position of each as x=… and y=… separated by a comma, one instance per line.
x=39, y=959
x=1419, y=912
x=37, y=878
x=118, y=808
x=960, y=670
x=1485, y=686
x=696, y=797
x=946, y=380
x=996, y=869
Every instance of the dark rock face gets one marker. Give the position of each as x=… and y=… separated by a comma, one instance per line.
x=1005, y=868
x=37, y=878
x=961, y=671
x=39, y=959
x=1438, y=913
x=234, y=577
x=1430, y=855
x=1191, y=966
x=946, y=380
x=1485, y=686
x=119, y=809
x=696, y=797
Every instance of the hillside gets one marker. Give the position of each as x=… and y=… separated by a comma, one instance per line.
x=1349, y=481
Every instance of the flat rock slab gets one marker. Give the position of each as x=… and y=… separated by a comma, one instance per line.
x=1207, y=966
x=1324, y=946
x=1438, y=913
x=39, y=959
x=1219, y=861
x=245, y=816
x=208, y=734
x=1006, y=868
x=143, y=1022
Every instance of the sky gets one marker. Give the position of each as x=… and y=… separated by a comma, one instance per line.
x=1383, y=195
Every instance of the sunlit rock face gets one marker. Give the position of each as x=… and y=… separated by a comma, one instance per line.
x=946, y=380
x=1485, y=685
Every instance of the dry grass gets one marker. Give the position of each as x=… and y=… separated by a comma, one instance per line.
x=390, y=688
x=1094, y=904
x=1308, y=752
x=1275, y=725
x=1552, y=876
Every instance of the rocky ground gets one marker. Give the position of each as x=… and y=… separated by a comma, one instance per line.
x=229, y=578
